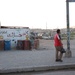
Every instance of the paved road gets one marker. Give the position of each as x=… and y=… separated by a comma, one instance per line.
x=69, y=72
x=12, y=61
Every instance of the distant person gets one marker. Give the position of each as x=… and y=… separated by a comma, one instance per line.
x=58, y=46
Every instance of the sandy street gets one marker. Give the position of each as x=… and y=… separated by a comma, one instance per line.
x=49, y=44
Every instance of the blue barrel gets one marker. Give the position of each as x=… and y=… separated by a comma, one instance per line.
x=7, y=45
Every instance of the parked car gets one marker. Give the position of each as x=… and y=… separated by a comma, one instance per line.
x=46, y=37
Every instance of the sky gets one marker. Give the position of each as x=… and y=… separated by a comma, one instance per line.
x=43, y=14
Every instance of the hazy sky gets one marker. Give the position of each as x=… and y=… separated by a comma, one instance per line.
x=36, y=13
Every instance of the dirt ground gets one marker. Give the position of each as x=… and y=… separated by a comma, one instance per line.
x=49, y=44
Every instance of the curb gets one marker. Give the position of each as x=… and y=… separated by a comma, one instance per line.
x=37, y=69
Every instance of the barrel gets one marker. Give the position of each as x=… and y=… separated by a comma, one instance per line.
x=27, y=45
x=1, y=44
x=36, y=44
x=20, y=44
x=7, y=45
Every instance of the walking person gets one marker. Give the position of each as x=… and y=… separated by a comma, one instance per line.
x=58, y=46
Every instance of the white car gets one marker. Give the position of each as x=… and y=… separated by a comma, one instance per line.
x=46, y=37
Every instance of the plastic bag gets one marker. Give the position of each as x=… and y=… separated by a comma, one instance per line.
x=63, y=50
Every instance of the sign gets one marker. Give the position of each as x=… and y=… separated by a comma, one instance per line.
x=71, y=0
x=14, y=34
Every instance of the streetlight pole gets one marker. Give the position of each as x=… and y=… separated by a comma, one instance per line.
x=68, y=52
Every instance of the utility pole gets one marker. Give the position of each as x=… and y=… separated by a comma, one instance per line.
x=68, y=52
x=0, y=24
x=46, y=25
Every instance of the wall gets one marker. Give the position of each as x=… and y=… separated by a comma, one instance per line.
x=13, y=35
